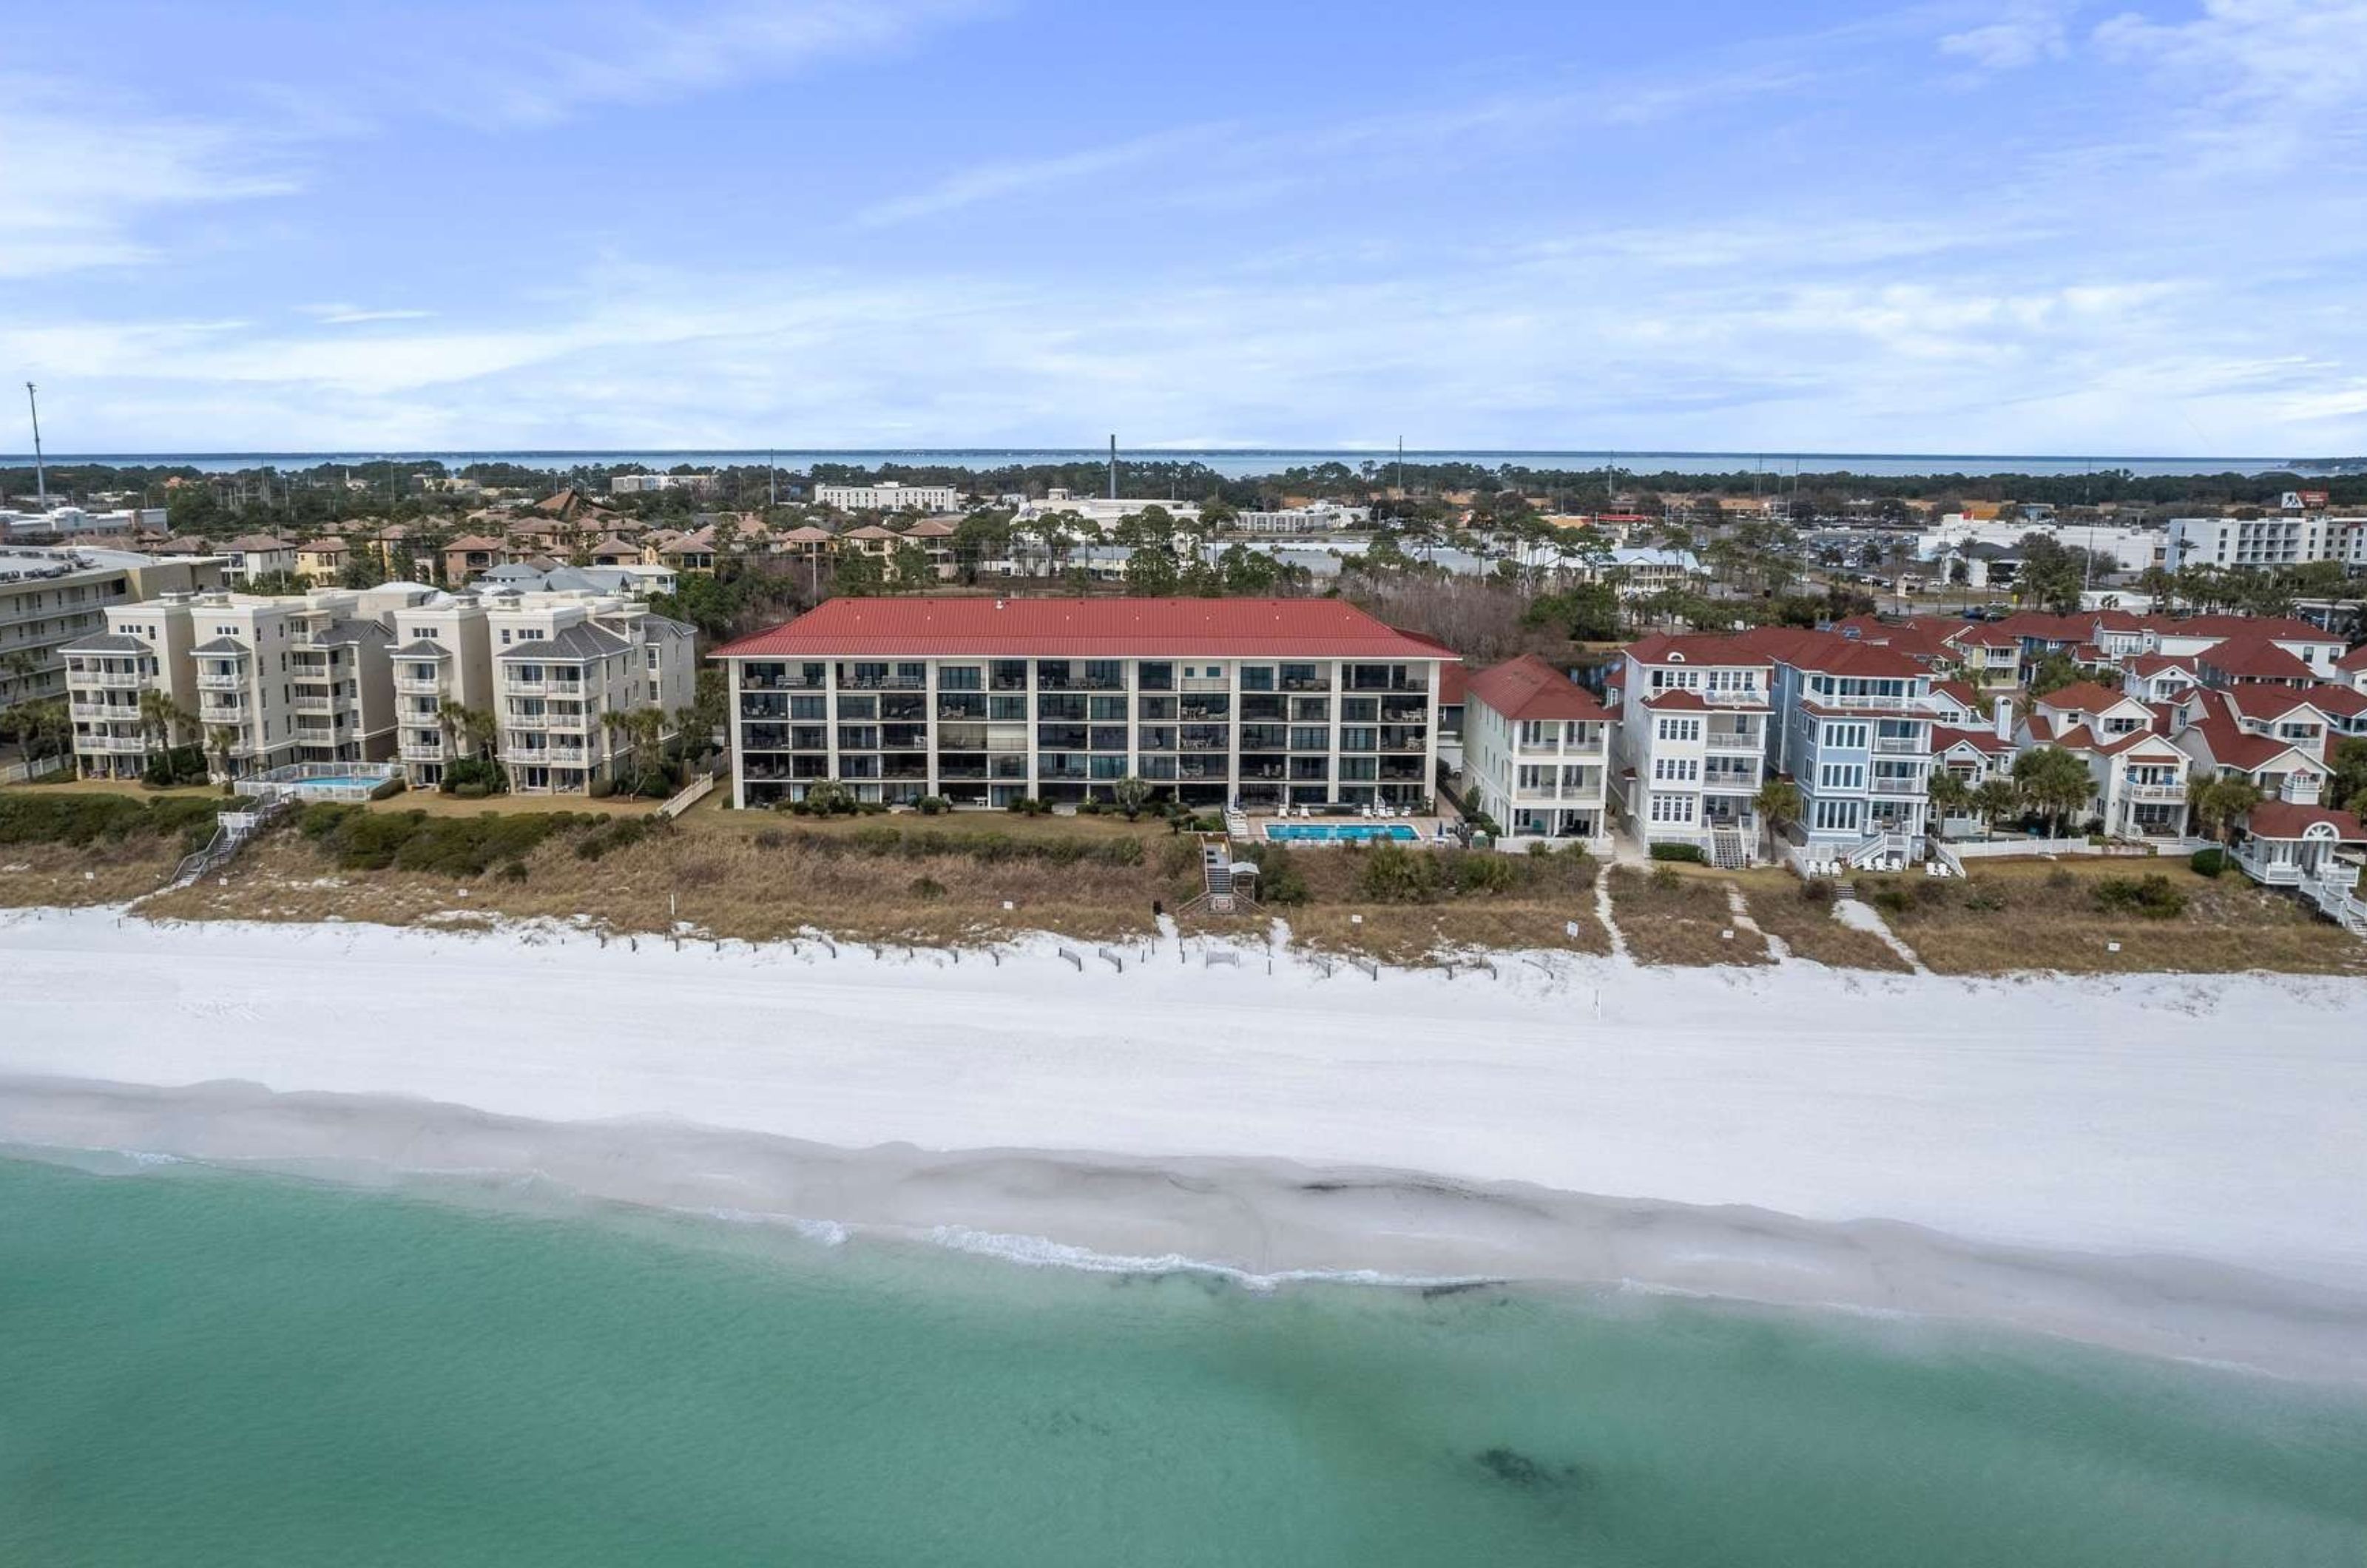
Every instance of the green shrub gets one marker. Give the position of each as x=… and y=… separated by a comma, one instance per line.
x=2151, y=896
x=601, y=789
x=485, y=775
x=1394, y=875
x=931, y=804
x=1687, y=853
x=175, y=768
x=1279, y=879
x=1817, y=890
x=389, y=790
x=471, y=791
x=1484, y=871
x=2208, y=862
x=514, y=871
x=617, y=833
x=83, y=819
x=926, y=887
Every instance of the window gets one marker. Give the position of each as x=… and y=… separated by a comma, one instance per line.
x=1680, y=729
x=1845, y=737
x=1669, y=808
x=1531, y=777
x=1309, y=739
x=1676, y=769
x=1841, y=776
x=1839, y=816
x=961, y=678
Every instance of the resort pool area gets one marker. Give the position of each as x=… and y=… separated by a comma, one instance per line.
x=353, y=782
x=1340, y=832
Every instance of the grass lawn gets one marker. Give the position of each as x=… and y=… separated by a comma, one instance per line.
x=1679, y=915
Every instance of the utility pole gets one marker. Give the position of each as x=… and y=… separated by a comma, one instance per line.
x=771, y=481
x=41, y=474
x=1113, y=468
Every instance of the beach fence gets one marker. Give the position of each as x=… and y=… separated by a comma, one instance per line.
x=690, y=794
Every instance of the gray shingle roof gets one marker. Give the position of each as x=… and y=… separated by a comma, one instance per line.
x=221, y=645
x=106, y=642
x=570, y=642
x=422, y=648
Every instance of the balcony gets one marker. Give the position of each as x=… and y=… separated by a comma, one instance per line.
x=314, y=702
x=111, y=679
x=1909, y=789
x=526, y=721
x=104, y=712
x=412, y=686
x=212, y=709
x=1729, y=740
x=424, y=750
x=112, y=744
x=1900, y=745
x=2171, y=793
x=218, y=681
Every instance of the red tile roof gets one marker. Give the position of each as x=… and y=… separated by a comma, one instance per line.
x=1088, y=628
x=1831, y=655
x=1528, y=687
x=2355, y=659
x=2157, y=663
x=2282, y=819
x=1696, y=649
x=1677, y=697
x=2284, y=628
x=1454, y=679
x=2084, y=697
x=1988, y=740
x=2274, y=702
x=2257, y=660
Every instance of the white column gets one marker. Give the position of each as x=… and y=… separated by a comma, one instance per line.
x=739, y=739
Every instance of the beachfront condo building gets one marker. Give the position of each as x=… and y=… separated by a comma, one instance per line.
x=1536, y=754
x=565, y=665
x=258, y=682
x=1691, y=742
x=1259, y=703
x=49, y=598
x=889, y=495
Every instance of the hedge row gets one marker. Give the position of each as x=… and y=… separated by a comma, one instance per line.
x=988, y=849
x=63, y=818
x=360, y=840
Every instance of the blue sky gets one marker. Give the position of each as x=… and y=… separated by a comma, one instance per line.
x=2013, y=226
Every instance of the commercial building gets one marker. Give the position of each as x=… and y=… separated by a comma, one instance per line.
x=1256, y=703
x=1327, y=518
x=889, y=495
x=2274, y=539
x=649, y=484
x=49, y=598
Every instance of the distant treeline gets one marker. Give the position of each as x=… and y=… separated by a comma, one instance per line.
x=320, y=493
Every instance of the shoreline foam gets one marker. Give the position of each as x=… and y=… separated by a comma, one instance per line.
x=1262, y=1224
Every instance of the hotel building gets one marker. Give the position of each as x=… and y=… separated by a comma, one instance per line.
x=1258, y=703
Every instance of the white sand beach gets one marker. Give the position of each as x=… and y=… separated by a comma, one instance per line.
x=2166, y=1163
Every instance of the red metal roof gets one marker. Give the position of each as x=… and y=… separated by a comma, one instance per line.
x=1086, y=628
x=2282, y=819
x=1528, y=687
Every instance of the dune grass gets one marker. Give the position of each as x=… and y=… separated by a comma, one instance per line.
x=1676, y=917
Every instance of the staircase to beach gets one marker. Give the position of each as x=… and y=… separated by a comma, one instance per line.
x=234, y=831
x=1728, y=849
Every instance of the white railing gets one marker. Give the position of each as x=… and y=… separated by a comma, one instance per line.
x=1900, y=745
x=1729, y=742
x=422, y=751
x=2169, y=792
x=112, y=680
x=213, y=681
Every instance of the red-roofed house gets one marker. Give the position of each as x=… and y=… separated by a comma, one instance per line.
x=981, y=701
x=1853, y=731
x=2139, y=775
x=2283, y=758
x=2199, y=634
x=1691, y=742
x=1536, y=753
x=2295, y=846
x=2352, y=667
x=2160, y=677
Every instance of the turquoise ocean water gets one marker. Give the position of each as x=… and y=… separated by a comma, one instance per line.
x=198, y=1368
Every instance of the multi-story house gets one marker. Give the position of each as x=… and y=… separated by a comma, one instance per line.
x=565, y=665
x=2192, y=636
x=1853, y=730
x=1253, y=702
x=1536, y=753
x=2139, y=775
x=2284, y=756
x=1691, y=740
x=321, y=562
x=252, y=557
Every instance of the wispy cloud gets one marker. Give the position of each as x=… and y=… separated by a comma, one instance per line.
x=2264, y=84
x=991, y=182
x=514, y=74
x=75, y=185
x=351, y=315
x=2026, y=33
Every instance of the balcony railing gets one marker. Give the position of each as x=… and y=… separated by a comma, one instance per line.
x=424, y=750
x=2154, y=792
x=1729, y=741
x=1911, y=788
x=1899, y=746
x=215, y=681
x=314, y=702
x=109, y=679
x=411, y=686
x=112, y=744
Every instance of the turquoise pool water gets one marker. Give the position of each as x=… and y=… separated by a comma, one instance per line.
x=1340, y=832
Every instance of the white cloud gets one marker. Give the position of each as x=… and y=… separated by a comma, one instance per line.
x=990, y=182
x=352, y=315
x=2029, y=31
x=75, y=185
x=2262, y=85
x=512, y=73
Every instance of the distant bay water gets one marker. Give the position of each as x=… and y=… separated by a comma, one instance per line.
x=1245, y=463
x=206, y=1368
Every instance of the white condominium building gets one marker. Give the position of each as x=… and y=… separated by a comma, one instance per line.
x=565, y=665
x=1691, y=742
x=260, y=683
x=2277, y=539
x=1320, y=519
x=889, y=495
x=1537, y=752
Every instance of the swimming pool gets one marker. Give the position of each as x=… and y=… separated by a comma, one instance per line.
x=1340, y=832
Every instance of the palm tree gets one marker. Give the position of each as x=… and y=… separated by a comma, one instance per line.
x=2220, y=801
x=2055, y=781
x=163, y=720
x=1130, y=793
x=1951, y=796
x=1996, y=795
x=1777, y=804
x=642, y=731
x=219, y=741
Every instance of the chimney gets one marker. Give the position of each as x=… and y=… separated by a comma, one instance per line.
x=998, y=604
x=2004, y=711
